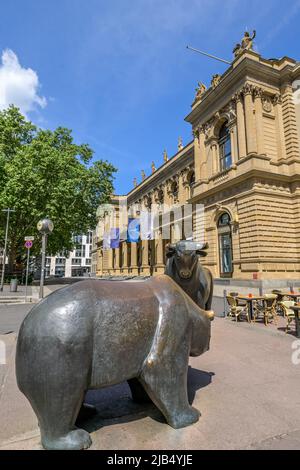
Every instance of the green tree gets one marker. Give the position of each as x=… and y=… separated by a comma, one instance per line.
x=44, y=173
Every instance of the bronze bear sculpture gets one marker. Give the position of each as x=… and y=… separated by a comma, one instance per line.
x=96, y=333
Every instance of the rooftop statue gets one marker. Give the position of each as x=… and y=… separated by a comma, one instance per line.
x=143, y=175
x=153, y=167
x=246, y=44
x=98, y=333
x=216, y=80
x=200, y=90
x=166, y=158
x=180, y=144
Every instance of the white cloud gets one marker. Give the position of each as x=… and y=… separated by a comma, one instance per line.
x=18, y=86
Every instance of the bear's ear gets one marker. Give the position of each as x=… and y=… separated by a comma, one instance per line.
x=170, y=250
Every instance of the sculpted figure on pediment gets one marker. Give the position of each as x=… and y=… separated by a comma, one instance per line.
x=200, y=91
x=246, y=43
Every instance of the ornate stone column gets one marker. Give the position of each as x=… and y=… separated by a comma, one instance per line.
x=133, y=261
x=182, y=191
x=110, y=261
x=99, y=261
x=197, y=155
x=258, y=94
x=145, y=258
x=185, y=192
x=292, y=143
x=249, y=114
x=233, y=141
x=215, y=160
x=277, y=102
x=241, y=129
x=117, y=261
x=124, y=249
x=159, y=265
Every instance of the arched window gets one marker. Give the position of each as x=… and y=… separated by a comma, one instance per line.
x=225, y=245
x=174, y=189
x=192, y=179
x=191, y=184
x=225, y=148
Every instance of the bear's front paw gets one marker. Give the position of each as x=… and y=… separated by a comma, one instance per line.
x=184, y=418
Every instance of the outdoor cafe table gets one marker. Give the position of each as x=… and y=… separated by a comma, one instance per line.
x=293, y=296
x=296, y=309
x=250, y=301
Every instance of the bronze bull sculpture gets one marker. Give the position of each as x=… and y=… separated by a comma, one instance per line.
x=184, y=267
x=94, y=334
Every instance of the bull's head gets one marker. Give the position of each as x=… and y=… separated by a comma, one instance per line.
x=186, y=255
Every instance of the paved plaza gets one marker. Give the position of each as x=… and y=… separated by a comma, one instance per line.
x=246, y=387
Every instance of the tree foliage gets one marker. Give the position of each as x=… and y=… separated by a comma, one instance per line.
x=44, y=173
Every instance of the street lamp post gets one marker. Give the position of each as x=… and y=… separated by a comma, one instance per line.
x=5, y=246
x=44, y=226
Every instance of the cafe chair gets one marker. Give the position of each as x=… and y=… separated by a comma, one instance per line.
x=240, y=303
x=235, y=309
x=268, y=310
x=289, y=314
x=280, y=298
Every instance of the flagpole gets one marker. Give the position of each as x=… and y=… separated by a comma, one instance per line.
x=208, y=55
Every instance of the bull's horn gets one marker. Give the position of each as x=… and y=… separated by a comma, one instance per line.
x=170, y=246
x=201, y=253
x=210, y=314
x=202, y=246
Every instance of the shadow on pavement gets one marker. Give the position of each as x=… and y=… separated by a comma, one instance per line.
x=114, y=405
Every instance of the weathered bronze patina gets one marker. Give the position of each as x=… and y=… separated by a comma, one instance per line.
x=99, y=333
x=184, y=266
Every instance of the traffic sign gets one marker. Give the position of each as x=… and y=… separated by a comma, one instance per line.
x=28, y=244
x=29, y=239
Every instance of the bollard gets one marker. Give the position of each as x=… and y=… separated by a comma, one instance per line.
x=13, y=285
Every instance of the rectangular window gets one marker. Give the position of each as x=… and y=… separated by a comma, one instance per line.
x=77, y=239
x=225, y=254
x=59, y=271
x=225, y=149
x=76, y=261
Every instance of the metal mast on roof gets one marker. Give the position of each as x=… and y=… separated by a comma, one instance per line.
x=208, y=55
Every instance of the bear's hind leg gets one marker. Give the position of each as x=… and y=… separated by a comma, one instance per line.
x=165, y=380
x=56, y=390
x=58, y=431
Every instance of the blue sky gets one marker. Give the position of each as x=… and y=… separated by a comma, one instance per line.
x=118, y=72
